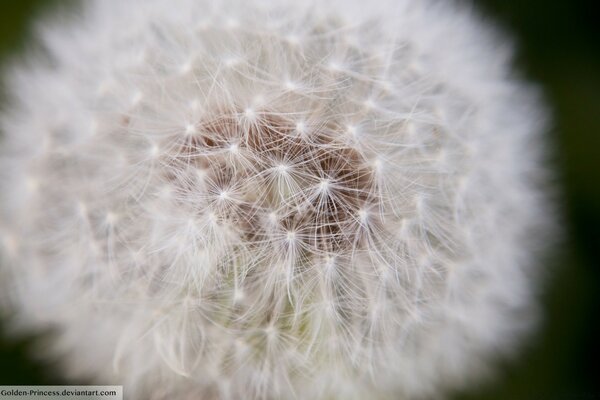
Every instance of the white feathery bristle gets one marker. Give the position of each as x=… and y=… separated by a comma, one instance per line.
x=272, y=199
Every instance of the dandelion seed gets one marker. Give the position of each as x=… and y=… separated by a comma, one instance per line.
x=290, y=85
x=234, y=148
x=301, y=127
x=190, y=129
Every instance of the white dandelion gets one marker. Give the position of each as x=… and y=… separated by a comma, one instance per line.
x=276, y=200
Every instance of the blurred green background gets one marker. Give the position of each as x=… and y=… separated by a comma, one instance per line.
x=559, y=48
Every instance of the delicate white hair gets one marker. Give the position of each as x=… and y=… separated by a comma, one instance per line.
x=274, y=199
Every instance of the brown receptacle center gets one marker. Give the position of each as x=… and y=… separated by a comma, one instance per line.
x=273, y=182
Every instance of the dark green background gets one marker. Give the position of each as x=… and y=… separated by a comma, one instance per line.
x=559, y=47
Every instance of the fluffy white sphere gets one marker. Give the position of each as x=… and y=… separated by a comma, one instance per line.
x=272, y=200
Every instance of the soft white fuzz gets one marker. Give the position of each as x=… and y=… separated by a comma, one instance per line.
x=272, y=200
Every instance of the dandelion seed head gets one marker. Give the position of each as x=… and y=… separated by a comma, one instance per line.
x=271, y=200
